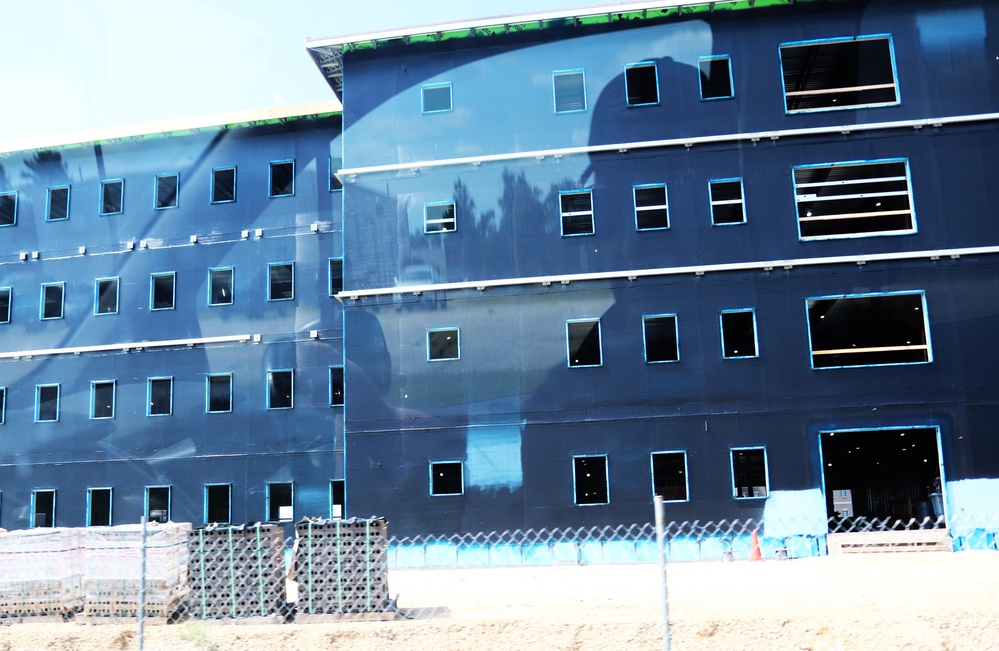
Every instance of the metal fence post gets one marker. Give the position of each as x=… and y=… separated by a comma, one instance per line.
x=142, y=586
x=661, y=540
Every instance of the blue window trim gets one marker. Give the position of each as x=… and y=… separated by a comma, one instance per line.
x=97, y=294
x=149, y=396
x=819, y=41
x=270, y=179
x=204, y=511
x=461, y=467
x=332, y=176
x=232, y=285
x=645, y=349
x=665, y=205
x=156, y=191
x=208, y=393
x=426, y=87
x=568, y=351
x=267, y=501
x=34, y=493
x=329, y=267
x=93, y=398
x=766, y=471
x=562, y=214
x=267, y=387
x=742, y=201
x=606, y=478
x=6, y=318
x=731, y=81
x=756, y=333
x=570, y=71
x=145, y=501
x=62, y=301
x=343, y=512
x=427, y=221
x=11, y=193
x=48, y=202
x=640, y=64
x=926, y=328
x=908, y=182
x=457, y=336
x=105, y=183
x=343, y=381
x=211, y=188
x=686, y=474
x=38, y=402
x=152, y=289
x=271, y=266
x=90, y=501
x=3, y=405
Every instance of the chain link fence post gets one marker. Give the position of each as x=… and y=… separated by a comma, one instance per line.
x=661, y=541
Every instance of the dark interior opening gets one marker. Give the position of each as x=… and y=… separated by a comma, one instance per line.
x=217, y=503
x=446, y=478
x=44, y=515
x=669, y=475
x=584, y=343
x=100, y=507
x=716, y=78
x=642, y=84
x=158, y=503
x=282, y=179
x=591, y=479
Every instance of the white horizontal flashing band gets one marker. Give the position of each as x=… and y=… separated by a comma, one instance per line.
x=763, y=265
x=134, y=345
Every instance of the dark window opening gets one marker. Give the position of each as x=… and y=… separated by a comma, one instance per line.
x=570, y=91
x=217, y=503
x=868, y=330
x=99, y=511
x=660, y=339
x=446, y=478
x=47, y=403
x=584, y=342
x=442, y=344
x=282, y=178
x=738, y=333
x=641, y=84
x=338, y=498
x=280, y=385
x=160, y=397
x=439, y=218
x=3, y=405
x=43, y=508
x=590, y=478
x=107, y=296
x=102, y=400
x=220, y=286
x=167, y=186
x=5, y=296
x=219, y=393
x=52, y=297
x=8, y=208
x=158, y=503
x=716, y=77
x=336, y=276
x=280, y=282
x=224, y=185
x=577, y=212
x=58, y=204
x=436, y=98
x=336, y=386
x=279, y=502
x=650, y=207
x=336, y=164
x=749, y=472
x=111, y=197
x=669, y=475
x=163, y=291
x=726, y=202
x=839, y=74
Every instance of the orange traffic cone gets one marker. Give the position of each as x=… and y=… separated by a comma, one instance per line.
x=755, y=554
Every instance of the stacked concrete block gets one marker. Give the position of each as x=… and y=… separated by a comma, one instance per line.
x=237, y=572
x=341, y=566
x=40, y=573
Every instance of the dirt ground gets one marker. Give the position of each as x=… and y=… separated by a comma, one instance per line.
x=929, y=600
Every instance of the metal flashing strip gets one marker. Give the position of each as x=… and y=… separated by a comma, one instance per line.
x=699, y=270
x=134, y=345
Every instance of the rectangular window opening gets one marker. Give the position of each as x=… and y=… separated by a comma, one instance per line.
x=280, y=496
x=576, y=208
x=5, y=304
x=661, y=341
x=839, y=74
x=336, y=276
x=589, y=477
x=106, y=296
x=3, y=405
x=439, y=217
x=336, y=386
x=446, y=478
x=218, y=503
x=869, y=330
x=52, y=300
x=669, y=476
x=158, y=503
x=46, y=403
x=112, y=194
x=442, y=343
x=641, y=84
x=727, y=202
x=219, y=393
x=338, y=498
x=437, y=98
x=161, y=290
x=220, y=286
x=716, y=77
x=738, y=334
x=336, y=164
x=583, y=342
x=570, y=91
x=651, y=212
x=282, y=178
x=167, y=191
x=57, y=205
x=8, y=208
x=160, y=396
x=280, y=389
x=223, y=185
x=98, y=507
x=281, y=281
x=43, y=508
x=749, y=473
x=102, y=395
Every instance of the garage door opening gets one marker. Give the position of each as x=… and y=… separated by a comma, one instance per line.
x=882, y=479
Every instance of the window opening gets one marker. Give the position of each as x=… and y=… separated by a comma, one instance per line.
x=57, y=205
x=651, y=211
x=106, y=296
x=46, y=403
x=442, y=343
x=218, y=503
x=583, y=342
x=869, y=330
x=854, y=199
x=112, y=193
x=589, y=477
x=167, y=191
x=102, y=395
x=98, y=507
x=282, y=178
x=8, y=208
x=3, y=405
x=223, y=184
x=338, y=498
x=577, y=212
x=661, y=340
x=280, y=281
x=437, y=98
x=716, y=77
x=5, y=300
x=446, y=478
x=738, y=333
x=669, y=476
x=280, y=496
x=336, y=276
x=839, y=74
x=162, y=290
x=160, y=396
x=336, y=164
x=158, y=503
x=220, y=286
x=280, y=389
x=336, y=386
x=727, y=202
x=749, y=473
x=219, y=388
x=570, y=91
x=641, y=84
x=52, y=300
x=43, y=508
x=439, y=217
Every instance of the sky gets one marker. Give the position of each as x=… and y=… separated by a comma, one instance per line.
x=70, y=66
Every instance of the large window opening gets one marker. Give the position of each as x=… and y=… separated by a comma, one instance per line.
x=282, y=178
x=661, y=341
x=223, y=184
x=43, y=504
x=167, y=190
x=219, y=393
x=338, y=498
x=446, y=478
x=106, y=296
x=727, y=202
x=669, y=476
x=651, y=211
x=162, y=291
x=336, y=276
x=8, y=208
x=336, y=386
x=158, y=503
x=47, y=403
x=749, y=473
x=442, y=344
x=583, y=342
x=839, y=74
x=218, y=504
x=716, y=77
x=112, y=194
x=220, y=286
x=160, y=400
x=98, y=507
x=281, y=281
x=280, y=496
x=57, y=206
x=280, y=389
x=102, y=399
x=52, y=300
x=577, y=212
x=589, y=478
x=738, y=334
x=641, y=84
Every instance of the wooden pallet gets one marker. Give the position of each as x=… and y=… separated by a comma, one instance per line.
x=327, y=618
x=873, y=542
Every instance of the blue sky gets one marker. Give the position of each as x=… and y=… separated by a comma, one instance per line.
x=68, y=66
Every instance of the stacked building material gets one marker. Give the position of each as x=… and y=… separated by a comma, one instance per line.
x=341, y=566
x=237, y=571
x=40, y=573
x=112, y=560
